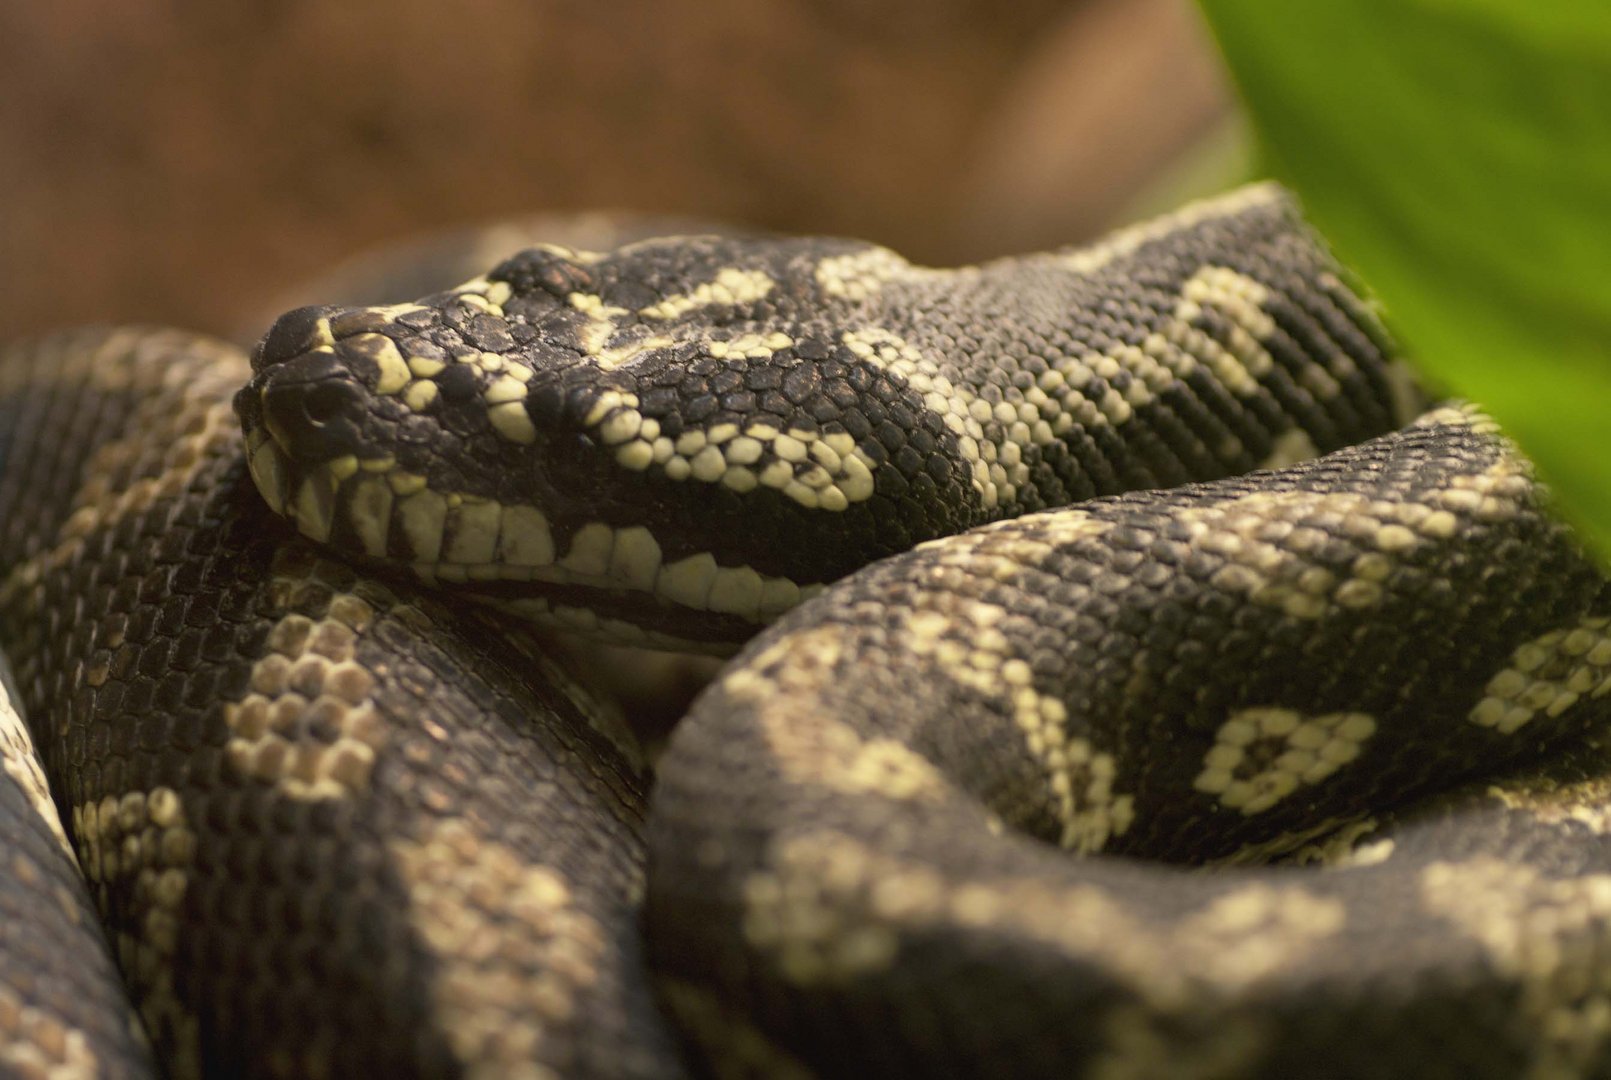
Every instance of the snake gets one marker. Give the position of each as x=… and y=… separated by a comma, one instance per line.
x=1131, y=676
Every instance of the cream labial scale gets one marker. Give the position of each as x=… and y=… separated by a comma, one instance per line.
x=460, y=537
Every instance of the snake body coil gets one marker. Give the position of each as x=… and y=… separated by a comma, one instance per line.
x=333, y=828
x=940, y=818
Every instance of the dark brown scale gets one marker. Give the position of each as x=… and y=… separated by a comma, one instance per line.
x=1056, y=965
x=54, y=959
x=267, y=929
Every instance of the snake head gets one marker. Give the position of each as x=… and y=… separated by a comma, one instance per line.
x=662, y=444
x=681, y=438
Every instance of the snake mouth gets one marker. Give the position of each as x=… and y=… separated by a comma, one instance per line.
x=316, y=496
x=304, y=440
x=516, y=556
x=272, y=469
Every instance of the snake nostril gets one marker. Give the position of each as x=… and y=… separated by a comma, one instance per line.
x=315, y=416
x=325, y=401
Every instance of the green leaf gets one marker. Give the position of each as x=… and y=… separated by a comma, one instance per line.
x=1457, y=153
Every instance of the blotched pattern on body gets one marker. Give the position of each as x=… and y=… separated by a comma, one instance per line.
x=63, y=1011
x=855, y=835
x=333, y=828
x=951, y=815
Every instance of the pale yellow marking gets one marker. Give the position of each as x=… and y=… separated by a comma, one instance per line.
x=405, y=483
x=418, y=396
x=1344, y=847
x=1265, y=537
x=424, y=367
x=1262, y=755
x=504, y=398
x=829, y=908
x=1587, y=802
x=1116, y=245
x=687, y=581
x=1460, y=414
x=121, y=360
x=731, y=286
x=491, y=295
x=422, y=517
x=1546, y=934
x=1548, y=675
x=1172, y=352
x=785, y=684
x=369, y=508
x=818, y=470
x=606, y=403
x=513, y=948
x=19, y=761
x=611, y=357
x=1324, y=842
x=611, y=341
x=1040, y=414
x=592, y=547
x=996, y=440
x=314, y=508
x=268, y=468
x=635, y=559
x=387, y=312
x=859, y=274
x=457, y=538
x=524, y=538
x=394, y=373
x=38, y=1046
x=964, y=414
x=748, y=346
x=798, y=911
x=1243, y=360
x=511, y=421
x=620, y=426
x=596, y=333
x=968, y=648
x=736, y=591
x=140, y=847
x=470, y=533
x=309, y=672
x=183, y=407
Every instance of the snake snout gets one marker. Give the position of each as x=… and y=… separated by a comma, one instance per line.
x=311, y=411
x=305, y=414
x=293, y=334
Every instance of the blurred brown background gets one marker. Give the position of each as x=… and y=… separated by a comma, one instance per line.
x=184, y=161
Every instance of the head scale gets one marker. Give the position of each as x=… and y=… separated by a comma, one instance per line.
x=677, y=440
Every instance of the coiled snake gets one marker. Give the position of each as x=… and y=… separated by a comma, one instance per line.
x=940, y=818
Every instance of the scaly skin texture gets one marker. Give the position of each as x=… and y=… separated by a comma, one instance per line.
x=680, y=439
x=333, y=828
x=855, y=833
x=63, y=1010
x=936, y=821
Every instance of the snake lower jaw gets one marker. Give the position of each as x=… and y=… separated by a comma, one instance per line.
x=603, y=584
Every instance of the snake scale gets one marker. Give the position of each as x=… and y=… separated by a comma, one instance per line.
x=1279, y=753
